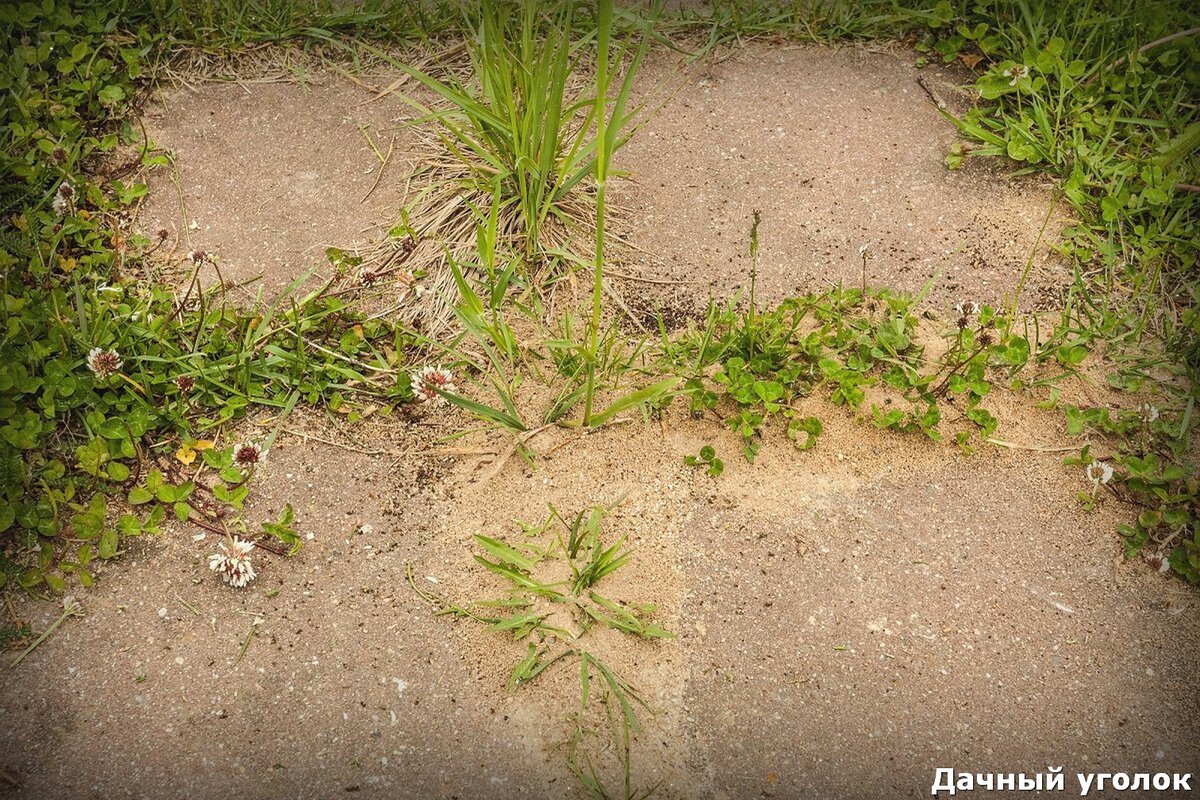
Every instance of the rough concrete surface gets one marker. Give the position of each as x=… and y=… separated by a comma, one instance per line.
x=838, y=149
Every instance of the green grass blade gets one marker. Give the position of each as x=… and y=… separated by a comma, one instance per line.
x=502, y=552
x=633, y=399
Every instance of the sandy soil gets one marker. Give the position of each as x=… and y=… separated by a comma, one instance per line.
x=848, y=619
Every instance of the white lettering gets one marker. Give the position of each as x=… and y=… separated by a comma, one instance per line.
x=939, y=785
x=1054, y=781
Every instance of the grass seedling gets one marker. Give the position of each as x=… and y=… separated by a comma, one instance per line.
x=71, y=608
x=250, y=634
x=487, y=328
x=524, y=613
x=611, y=686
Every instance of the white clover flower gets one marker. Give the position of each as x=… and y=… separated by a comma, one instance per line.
x=367, y=276
x=1099, y=472
x=197, y=257
x=866, y=248
x=64, y=199
x=104, y=363
x=233, y=563
x=427, y=380
x=1147, y=412
x=1016, y=73
x=71, y=605
x=967, y=308
x=967, y=311
x=247, y=454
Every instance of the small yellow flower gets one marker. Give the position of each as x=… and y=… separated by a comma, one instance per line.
x=186, y=454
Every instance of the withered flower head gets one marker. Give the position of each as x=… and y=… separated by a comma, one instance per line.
x=247, y=455
x=64, y=199
x=966, y=311
x=406, y=281
x=233, y=562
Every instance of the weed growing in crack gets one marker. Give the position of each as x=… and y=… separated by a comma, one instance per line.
x=551, y=603
x=521, y=127
x=1149, y=467
x=764, y=363
x=492, y=336
x=708, y=459
x=845, y=343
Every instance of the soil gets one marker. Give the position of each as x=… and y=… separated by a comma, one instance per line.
x=848, y=619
